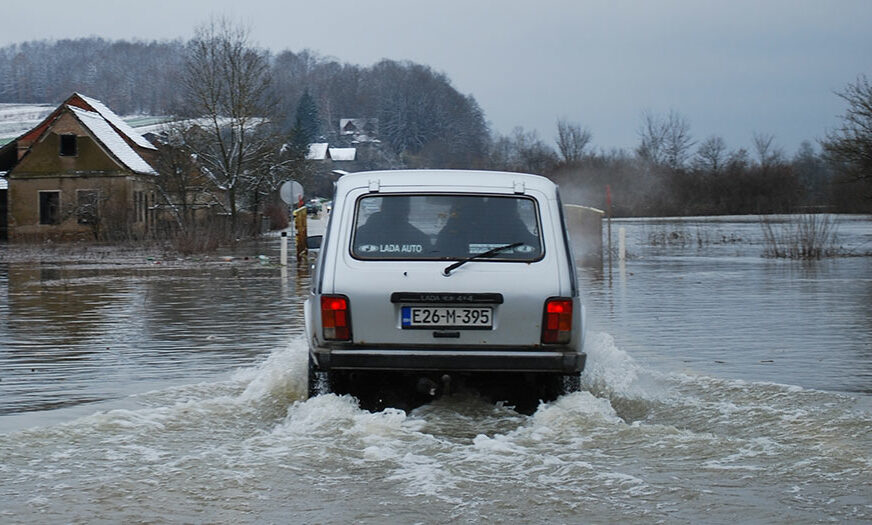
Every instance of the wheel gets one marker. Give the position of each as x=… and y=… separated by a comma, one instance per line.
x=552, y=386
x=570, y=383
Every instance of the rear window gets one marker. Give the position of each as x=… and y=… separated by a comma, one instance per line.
x=422, y=227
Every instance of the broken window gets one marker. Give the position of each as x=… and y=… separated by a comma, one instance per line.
x=68, y=146
x=49, y=207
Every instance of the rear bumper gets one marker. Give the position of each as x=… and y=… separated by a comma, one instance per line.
x=450, y=360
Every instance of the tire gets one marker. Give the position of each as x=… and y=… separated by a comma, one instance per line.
x=554, y=386
x=570, y=383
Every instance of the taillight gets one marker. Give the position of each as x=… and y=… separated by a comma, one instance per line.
x=335, y=318
x=557, y=322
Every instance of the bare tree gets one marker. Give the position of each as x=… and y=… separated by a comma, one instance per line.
x=227, y=87
x=523, y=152
x=572, y=140
x=768, y=154
x=652, y=139
x=665, y=141
x=180, y=182
x=850, y=146
x=711, y=155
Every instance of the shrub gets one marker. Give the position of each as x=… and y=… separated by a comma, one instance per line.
x=805, y=236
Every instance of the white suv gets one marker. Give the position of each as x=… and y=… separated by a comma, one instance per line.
x=432, y=280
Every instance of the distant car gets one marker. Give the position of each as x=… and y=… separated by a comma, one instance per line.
x=432, y=280
x=313, y=207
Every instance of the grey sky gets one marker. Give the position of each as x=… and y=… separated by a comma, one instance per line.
x=731, y=68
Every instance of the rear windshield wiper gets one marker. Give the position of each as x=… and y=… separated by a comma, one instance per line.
x=483, y=255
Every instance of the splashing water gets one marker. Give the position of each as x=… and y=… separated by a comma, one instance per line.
x=634, y=445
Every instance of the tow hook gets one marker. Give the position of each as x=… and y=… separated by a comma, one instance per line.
x=427, y=386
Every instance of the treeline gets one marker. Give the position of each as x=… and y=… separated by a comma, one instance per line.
x=672, y=173
x=130, y=77
x=425, y=122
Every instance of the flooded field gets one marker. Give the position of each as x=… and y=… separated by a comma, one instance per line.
x=721, y=386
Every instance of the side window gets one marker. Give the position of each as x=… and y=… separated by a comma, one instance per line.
x=573, y=272
x=87, y=206
x=69, y=147
x=49, y=207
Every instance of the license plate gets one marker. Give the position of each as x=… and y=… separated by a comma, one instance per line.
x=447, y=317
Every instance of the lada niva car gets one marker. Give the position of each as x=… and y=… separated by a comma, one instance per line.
x=432, y=280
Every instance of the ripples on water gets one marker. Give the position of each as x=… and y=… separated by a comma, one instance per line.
x=696, y=294
x=634, y=446
x=197, y=414
x=79, y=333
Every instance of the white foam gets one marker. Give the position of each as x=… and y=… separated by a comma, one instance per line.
x=422, y=475
x=284, y=374
x=575, y=410
x=612, y=371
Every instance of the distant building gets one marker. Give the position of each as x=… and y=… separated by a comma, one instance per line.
x=80, y=171
x=355, y=147
x=359, y=129
x=317, y=151
x=323, y=152
x=343, y=154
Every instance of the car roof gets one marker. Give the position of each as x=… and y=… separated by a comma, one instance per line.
x=501, y=181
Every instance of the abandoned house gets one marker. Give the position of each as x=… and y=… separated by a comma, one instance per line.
x=81, y=173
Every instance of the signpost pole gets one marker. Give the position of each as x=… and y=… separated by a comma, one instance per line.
x=609, y=222
x=291, y=193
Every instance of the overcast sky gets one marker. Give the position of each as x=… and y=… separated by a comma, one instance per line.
x=730, y=67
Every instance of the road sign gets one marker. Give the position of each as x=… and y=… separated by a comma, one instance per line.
x=291, y=192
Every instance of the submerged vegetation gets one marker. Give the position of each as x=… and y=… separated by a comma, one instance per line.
x=683, y=237
x=806, y=236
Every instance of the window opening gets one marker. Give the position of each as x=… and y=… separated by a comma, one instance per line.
x=49, y=207
x=68, y=146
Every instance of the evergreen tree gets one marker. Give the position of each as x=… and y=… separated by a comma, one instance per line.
x=307, y=125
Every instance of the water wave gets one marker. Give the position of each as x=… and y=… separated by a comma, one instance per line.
x=634, y=445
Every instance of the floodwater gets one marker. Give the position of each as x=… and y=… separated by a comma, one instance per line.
x=721, y=387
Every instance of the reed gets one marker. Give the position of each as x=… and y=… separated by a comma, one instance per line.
x=804, y=236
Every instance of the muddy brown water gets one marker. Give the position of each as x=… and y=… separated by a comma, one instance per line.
x=720, y=386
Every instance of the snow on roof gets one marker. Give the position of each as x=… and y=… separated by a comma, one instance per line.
x=101, y=129
x=116, y=121
x=343, y=153
x=317, y=151
x=355, y=126
x=345, y=122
